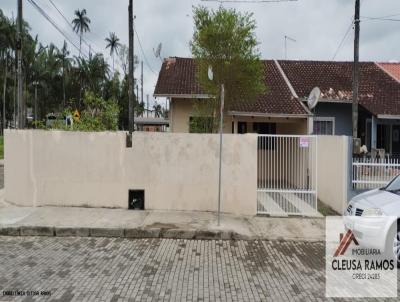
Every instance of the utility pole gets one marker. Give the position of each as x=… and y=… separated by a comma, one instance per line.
x=131, y=73
x=4, y=94
x=221, y=129
x=63, y=71
x=137, y=95
x=141, y=82
x=20, y=101
x=356, y=70
x=147, y=106
x=36, y=83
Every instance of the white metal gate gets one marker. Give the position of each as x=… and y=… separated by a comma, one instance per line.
x=287, y=175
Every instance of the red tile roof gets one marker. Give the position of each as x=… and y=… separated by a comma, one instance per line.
x=391, y=68
x=379, y=92
x=177, y=77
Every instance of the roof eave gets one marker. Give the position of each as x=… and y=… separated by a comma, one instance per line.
x=260, y=114
x=388, y=116
x=182, y=96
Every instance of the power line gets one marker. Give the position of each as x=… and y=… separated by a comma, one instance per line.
x=96, y=48
x=343, y=40
x=381, y=19
x=141, y=49
x=248, y=1
x=52, y=22
x=70, y=25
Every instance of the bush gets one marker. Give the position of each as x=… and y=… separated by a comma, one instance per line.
x=98, y=115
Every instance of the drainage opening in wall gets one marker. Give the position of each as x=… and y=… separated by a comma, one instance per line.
x=136, y=200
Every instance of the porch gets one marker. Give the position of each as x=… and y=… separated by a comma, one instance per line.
x=381, y=135
x=242, y=123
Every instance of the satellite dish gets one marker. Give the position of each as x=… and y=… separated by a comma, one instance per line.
x=210, y=73
x=314, y=97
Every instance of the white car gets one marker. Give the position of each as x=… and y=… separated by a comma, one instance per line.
x=373, y=217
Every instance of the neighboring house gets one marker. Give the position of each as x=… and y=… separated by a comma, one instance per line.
x=283, y=108
x=151, y=124
x=277, y=111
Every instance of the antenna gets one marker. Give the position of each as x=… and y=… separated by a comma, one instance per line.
x=157, y=52
x=286, y=39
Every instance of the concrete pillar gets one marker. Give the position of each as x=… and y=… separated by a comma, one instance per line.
x=170, y=116
x=373, y=132
x=310, y=125
x=235, y=126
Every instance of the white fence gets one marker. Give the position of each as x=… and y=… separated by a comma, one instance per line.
x=287, y=175
x=371, y=173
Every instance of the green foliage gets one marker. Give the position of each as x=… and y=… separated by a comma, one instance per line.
x=59, y=79
x=203, y=119
x=225, y=39
x=113, y=44
x=39, y=125
x=98, y=115
x=81, y=21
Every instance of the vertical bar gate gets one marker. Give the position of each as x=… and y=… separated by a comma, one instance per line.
x=287, y=175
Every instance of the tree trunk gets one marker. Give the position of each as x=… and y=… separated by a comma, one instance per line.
x=80, y=44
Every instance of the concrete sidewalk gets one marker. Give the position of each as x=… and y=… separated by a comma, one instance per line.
x=58, y=221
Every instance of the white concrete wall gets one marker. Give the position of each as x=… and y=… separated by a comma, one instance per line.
x=177, y=171
x=333, y=171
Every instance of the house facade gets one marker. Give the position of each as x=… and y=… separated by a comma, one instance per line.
x=283, y=108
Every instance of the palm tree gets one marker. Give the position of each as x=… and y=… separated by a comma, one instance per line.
x=81, y=25
x=63, y=56
x=113, y=44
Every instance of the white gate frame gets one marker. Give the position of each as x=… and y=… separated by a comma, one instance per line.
x=287, y=176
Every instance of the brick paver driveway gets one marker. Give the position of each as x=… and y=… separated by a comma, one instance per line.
x=101, y=269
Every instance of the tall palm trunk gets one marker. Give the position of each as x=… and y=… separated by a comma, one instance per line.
x=80, y=44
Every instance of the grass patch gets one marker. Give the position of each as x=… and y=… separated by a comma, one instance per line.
x=326, y=210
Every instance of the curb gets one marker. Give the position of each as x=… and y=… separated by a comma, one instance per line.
x=135, y=233
x=138, y=233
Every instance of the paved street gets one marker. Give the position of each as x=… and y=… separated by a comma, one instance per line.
x=99, y=269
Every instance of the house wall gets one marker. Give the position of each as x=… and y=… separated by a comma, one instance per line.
x=182, y=109
x=342, y=114
x=283, y=125
x=177, y=171
x=333, y=171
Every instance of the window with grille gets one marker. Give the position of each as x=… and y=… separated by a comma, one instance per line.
x=324, y=126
